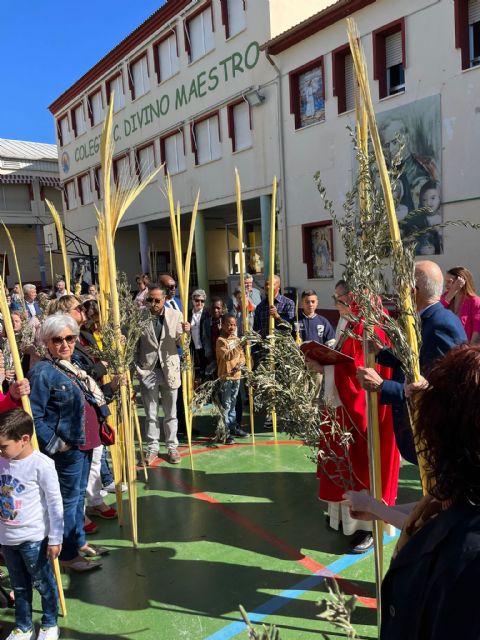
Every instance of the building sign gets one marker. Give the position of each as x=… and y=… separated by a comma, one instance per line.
x=205, y=82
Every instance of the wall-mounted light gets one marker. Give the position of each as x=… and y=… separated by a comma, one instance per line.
x=254, y=97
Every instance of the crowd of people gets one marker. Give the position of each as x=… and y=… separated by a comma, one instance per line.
x=50, y=499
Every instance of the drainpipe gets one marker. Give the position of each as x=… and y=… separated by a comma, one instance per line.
x=281, y=155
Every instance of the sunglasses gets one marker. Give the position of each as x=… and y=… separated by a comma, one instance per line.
x=156, y=300
x=199, y=300
x=57, y=340
x=170, y=286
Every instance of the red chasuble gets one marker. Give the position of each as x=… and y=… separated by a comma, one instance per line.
x=350, y=470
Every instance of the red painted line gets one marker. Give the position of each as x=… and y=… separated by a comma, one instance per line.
x=295, y=554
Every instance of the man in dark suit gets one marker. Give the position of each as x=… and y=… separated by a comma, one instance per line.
x=441, y=330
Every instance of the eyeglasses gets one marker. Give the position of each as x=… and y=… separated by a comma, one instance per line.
x=57, y=340
x=199, y=300
x=156, y=300
x=170, y=286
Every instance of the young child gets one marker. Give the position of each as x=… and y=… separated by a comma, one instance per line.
x=230, y=358
x=31, y=524
x=429, y=198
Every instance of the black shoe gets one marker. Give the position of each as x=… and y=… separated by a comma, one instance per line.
x=230, y=440
x=240, y=433
x=361, y=542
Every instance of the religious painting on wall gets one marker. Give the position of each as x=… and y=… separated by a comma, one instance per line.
x=418, y=193
x=317, y=244
x=312, y=97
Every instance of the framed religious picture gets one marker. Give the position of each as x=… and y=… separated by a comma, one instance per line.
x=317, y=245
x=307, y=94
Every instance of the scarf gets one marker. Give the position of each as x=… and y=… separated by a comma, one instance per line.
x=92, y=392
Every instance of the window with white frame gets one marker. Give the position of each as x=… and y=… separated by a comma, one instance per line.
x=237, y=20
x=139, y=80
x=167, y=61
x=85, y=189
x=97, y=112
x=121, y=171
x=174, y=153
x=70, y=195
x=394, y=63
x=207, y=140
x=146, y=161
x=474, y=31
x=241, y=120
x=64, y=131
x=78, y=119
x=349, y=83
x=115, y=86
x=98, y=179
x=199, y=34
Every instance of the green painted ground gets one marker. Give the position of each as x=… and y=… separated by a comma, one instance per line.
x=244, y=527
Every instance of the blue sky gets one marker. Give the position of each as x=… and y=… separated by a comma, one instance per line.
x=46, y=46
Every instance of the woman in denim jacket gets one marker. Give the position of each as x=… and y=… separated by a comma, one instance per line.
x=67, y=405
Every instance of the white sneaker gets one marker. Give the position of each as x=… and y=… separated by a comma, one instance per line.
x=18, y=634
x=110, y=488
x=48, y=633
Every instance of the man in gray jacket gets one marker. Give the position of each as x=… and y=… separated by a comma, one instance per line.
x=158, y=367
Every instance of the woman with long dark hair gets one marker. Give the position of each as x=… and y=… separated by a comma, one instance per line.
x=461, y=298
x=430, y=590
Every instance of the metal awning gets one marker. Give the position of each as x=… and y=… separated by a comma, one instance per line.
x=19, y=178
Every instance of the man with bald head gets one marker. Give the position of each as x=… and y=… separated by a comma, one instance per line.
x=282, y=310
x=441, y=330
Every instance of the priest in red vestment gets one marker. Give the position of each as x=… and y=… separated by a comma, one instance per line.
x=346, y=465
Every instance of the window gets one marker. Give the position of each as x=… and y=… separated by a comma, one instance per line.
x=79, y=124
x=343, y=78
x=199, y=33
x=389, y=58
x=173, y=152
x=85, y=189
x=206, y=140
x=307, y=94
x=166, y=57
x=95, y=107
x=233, y=16
x=115, y=86
x=121, y=171
x=70, y=195
x=240, y=125
x=145, y=161
x=63, y=128
x=138, y=76
x=467, y=31
x=98, y=180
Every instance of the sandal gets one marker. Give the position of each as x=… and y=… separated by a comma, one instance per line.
x=93, y=551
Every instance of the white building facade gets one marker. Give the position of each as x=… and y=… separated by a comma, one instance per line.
x=192, y=90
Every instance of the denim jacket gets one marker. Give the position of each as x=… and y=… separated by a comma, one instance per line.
x=58, y=408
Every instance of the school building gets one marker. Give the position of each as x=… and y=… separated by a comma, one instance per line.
x=267, y=87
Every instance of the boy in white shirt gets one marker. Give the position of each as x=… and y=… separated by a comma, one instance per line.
x=31, y=524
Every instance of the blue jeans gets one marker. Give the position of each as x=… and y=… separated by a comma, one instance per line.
x=228, y=399
x=105, y=472
x=73, y=468
x=28, y=566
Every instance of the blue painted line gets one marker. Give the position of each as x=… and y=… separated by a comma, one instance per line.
x=282, y=599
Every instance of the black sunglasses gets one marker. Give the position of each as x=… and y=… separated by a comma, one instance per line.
x=199, y=300
x=57, y=340
x=150, y=299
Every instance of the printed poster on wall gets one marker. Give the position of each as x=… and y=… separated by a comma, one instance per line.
x=419, y=125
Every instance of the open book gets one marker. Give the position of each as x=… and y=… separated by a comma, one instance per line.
x=323, y=354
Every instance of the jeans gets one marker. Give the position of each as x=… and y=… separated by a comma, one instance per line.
x=228, y=399
x=73, y=468
x=29, y=566
x=151, y=385
x=105, y=471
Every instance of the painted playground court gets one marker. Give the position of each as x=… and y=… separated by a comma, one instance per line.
x=245, y=527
